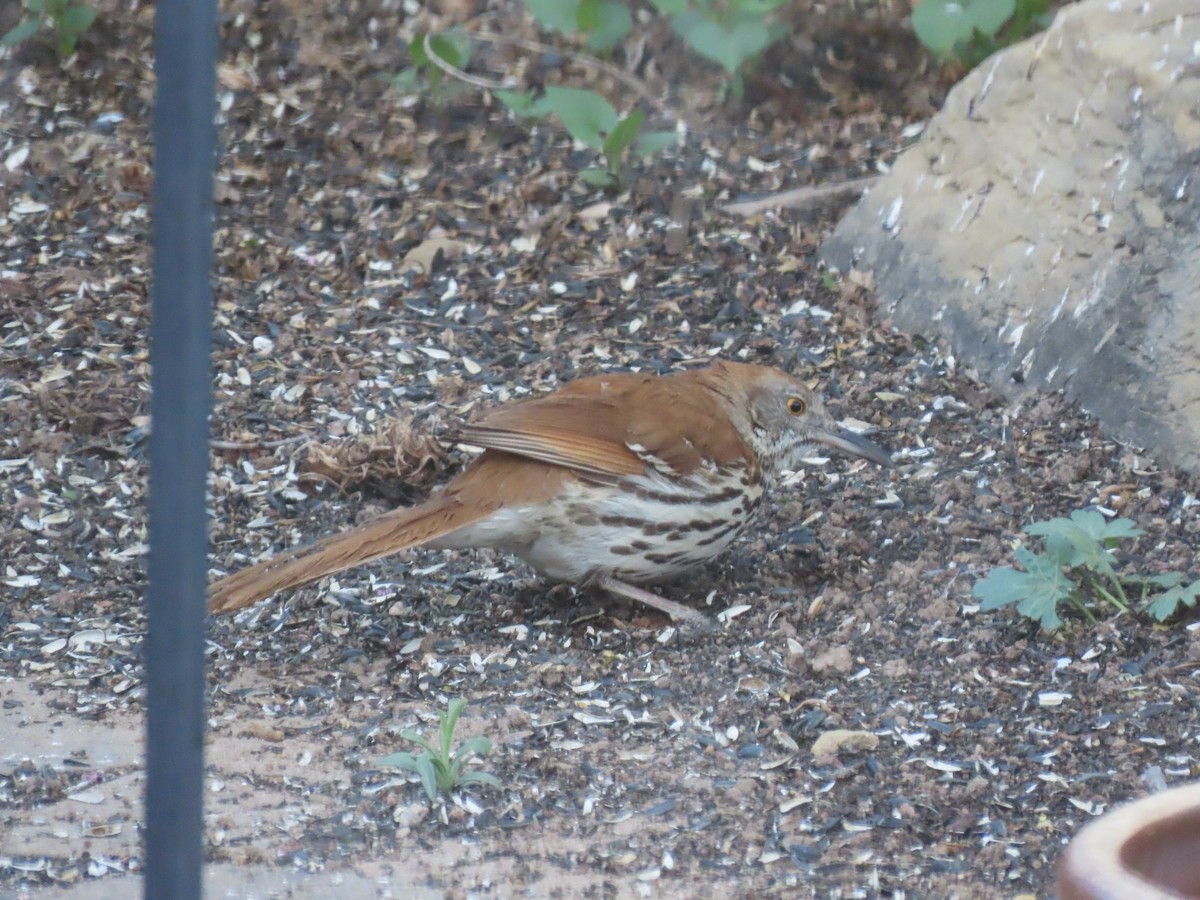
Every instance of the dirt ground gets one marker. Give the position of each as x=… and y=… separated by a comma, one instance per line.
x=389, y=262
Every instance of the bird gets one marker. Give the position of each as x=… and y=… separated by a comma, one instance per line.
x=611, y=481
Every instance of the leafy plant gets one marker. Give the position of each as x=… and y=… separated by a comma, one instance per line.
x=591, y=120
x=586, y=115
x=1175, y=596
x=68, y=21
x=730, y=33
x=971, y=30
x=451, y=47
x=441, y=768
x=1076, y=567
x=605, y=23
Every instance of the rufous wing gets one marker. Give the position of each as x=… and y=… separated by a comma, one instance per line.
x=610, y=426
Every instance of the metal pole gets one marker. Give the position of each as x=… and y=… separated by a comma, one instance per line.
x=180, y=322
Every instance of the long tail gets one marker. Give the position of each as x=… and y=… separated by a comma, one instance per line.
x=390, y=533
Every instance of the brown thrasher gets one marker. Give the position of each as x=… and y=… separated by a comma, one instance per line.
x=609, y=480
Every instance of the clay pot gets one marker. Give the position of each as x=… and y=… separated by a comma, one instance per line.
x=1148, y=850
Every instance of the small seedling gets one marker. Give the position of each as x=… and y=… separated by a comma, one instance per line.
x=586, y=115
x=591, y=120
x=972, y=30
x=604, y=23
x=441, y=768
x=68, y=21
x=732, y=33
x=451, y=47
x=1077, y=568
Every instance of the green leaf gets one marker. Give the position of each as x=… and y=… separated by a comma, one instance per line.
x=447, y=721
x=757, y=9
x=409, y=735
x=452, y=47
x=1166, y=580
x=407, y=81
x=1036, y=591
x=608, y=23
x=707, y=38
x=942, y=25
x=477, y=777
x=1168, y=603
x=600, y=178
x=429, y=777
x=22, y=32
x=654, y=142
x=586, y=115
x=1062, y=550
x=416, y=51
x=399, y=760
x=621, y=137
x=670, y=7
x=557, y=15
x=1029, y=14
x=37, y=7
x=1082, y=539
x=728, y=46
x=587, y=15
x=989, y=16
x=476, y=746
x=76, y=20
x=521, y=104
x=1107, y=531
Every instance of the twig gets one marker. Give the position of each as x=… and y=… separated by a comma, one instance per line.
x=798, y=197
x=458, y=73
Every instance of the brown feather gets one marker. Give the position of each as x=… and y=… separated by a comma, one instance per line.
x=582, y=453
x=593, y=425
x=388, y=534
x=477, y=492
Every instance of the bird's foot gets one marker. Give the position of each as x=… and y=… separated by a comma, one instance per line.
x=677, y=611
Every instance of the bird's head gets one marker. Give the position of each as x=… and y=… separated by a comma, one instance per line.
x=788, y=421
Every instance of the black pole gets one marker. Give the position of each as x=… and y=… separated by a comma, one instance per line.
x=180, y=320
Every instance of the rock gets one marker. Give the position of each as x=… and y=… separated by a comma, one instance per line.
x=829, y=743
x=1046, y=223
x=835, y=659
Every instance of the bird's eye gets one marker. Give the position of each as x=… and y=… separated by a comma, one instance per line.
x=796, y=406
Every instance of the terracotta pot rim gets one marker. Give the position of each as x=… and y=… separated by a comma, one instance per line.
x=1096, y=864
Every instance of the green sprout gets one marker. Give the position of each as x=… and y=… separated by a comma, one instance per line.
x=441, y=768
x=68, y=20
x=591, y=120
x=972, y=30
x=1077, y=568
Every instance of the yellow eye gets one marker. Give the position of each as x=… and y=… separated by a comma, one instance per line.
x=796, y=406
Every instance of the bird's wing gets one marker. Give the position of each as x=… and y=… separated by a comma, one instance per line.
x=610, y=426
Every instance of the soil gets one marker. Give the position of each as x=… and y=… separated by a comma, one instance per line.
x=386, y=263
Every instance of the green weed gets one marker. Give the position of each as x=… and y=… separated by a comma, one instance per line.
x=1076, y=567
x=441, y=768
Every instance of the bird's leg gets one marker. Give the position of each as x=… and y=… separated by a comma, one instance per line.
x=677, y=611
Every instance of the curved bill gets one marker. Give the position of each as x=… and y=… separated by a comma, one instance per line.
x=854, y=444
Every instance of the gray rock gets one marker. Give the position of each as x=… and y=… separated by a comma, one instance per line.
x=1047, y=223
